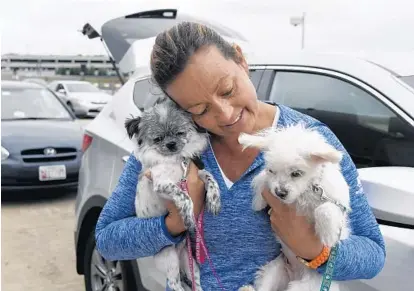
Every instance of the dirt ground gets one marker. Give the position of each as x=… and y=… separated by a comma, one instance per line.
x=37, y=243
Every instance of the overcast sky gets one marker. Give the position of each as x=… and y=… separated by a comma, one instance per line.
x=50, y=26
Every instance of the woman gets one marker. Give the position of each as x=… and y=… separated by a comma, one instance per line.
x=209, y=78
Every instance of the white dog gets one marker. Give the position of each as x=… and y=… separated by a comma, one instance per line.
x=302, y=169
x=166, y=137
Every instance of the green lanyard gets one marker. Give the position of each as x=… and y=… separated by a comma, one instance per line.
x=327, y=276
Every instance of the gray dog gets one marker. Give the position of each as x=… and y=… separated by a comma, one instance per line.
x=165, y=137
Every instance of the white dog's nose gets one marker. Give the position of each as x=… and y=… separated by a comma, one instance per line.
x=281, y=193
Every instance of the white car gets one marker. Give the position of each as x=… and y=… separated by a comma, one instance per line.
x=370, y=109
x=83, y=98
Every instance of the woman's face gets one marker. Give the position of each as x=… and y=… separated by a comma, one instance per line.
x=217, y=92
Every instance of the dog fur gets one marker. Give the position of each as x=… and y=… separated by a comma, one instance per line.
x=165, y=135
x=296, y=158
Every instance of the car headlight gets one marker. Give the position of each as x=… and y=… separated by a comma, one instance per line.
x=4, y=154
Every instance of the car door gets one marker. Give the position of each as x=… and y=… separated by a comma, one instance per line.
x=374, y=134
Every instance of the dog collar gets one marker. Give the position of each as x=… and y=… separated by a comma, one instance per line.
x=318, y=190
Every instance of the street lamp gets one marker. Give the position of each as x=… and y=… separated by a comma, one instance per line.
x=299, y=20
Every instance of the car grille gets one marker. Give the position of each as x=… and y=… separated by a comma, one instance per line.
x=38, y=155
x=97, y=102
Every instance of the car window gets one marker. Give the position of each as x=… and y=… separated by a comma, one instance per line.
x=31, y=103
x=372, y=133
x=58, y=87
x=255, y=76
x=82, y=87
x=146, y=93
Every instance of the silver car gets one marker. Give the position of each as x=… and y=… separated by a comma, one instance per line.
x=83, y=98
x=369, y=108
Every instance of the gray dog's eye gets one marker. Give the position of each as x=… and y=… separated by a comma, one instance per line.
x=157, y=139
x=297, y=174
x=180, y=133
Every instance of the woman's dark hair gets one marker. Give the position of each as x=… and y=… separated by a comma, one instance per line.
x=174, y=47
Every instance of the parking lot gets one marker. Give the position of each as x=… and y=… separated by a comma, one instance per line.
x=37, y=241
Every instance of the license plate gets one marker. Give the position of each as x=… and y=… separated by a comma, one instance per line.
x=50, y=173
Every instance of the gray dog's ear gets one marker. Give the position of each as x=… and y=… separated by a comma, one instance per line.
x=132, y=126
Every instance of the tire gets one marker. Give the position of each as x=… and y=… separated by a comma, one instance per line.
x=118, y=274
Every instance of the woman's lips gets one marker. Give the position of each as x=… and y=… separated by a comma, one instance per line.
x=237, y=119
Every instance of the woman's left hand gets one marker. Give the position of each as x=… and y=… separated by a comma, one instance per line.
x=295, y=231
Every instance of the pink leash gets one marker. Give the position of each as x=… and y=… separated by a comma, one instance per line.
x=201, y=253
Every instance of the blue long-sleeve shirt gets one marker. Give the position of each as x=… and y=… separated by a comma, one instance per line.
x=239, y=240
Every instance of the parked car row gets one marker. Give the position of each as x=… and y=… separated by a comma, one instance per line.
x=369, y=107
x=83, y=98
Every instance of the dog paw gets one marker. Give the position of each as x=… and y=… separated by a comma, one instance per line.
x=258, y=202
x=213, y=201
x=247, y=288
x=214, y=206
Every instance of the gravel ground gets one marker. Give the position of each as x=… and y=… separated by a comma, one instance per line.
x=38, y=244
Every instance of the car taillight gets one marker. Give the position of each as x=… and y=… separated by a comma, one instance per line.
x=87, y=140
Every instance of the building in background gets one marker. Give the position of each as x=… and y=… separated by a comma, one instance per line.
x=47, y=65
x=94, y=68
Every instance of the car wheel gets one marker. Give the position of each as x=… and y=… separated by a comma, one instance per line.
x=101, y=274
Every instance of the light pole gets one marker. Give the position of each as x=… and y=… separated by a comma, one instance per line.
x=299, y=20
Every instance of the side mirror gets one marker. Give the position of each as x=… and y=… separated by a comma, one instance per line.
x=390, y=193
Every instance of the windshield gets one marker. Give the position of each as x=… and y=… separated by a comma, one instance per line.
x=82, y=87
x=409, y=80
x=31, y=103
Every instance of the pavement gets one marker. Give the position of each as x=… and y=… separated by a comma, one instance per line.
x=37, y=243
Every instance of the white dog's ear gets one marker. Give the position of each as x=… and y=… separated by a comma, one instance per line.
x=261, y=141
x=324, y=152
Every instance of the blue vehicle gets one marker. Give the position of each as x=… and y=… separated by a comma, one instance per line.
x=41, y=143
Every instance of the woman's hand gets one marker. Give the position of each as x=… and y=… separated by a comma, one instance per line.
x=294, y=230
x=173, y=220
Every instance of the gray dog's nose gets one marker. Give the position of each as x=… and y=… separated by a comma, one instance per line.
x=172, y=145
x=281, y=192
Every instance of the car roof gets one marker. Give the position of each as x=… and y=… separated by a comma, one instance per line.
x=339, y=61
x=20, y=84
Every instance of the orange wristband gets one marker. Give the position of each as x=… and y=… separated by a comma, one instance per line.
x=319, y=260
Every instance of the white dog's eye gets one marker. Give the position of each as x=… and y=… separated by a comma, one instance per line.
x=271, y=171
x=296, y=174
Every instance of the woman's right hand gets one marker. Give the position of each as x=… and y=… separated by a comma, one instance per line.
x=173, y=220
